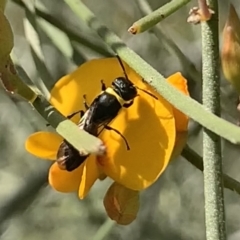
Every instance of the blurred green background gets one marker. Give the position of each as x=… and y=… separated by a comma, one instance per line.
x=172, y=208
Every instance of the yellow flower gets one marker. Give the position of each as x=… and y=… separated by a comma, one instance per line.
x=149, y=125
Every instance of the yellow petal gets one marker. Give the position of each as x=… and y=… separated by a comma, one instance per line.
x=89, y=176
x=43, y=144
x=64, y=181
x=121, y=204
x=179, y=82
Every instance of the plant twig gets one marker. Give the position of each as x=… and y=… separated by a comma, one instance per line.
x=155, y=17
x=185, y=104
x=212, y=156
x=196, y=160
x=104, y=230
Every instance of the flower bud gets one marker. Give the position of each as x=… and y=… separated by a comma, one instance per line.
x=121, y=204
x=230, y=54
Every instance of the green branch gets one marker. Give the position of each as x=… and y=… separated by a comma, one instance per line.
x=196, y=160
x=104, y=230
x=212, y=155
x=185, y=104
x=158, y=15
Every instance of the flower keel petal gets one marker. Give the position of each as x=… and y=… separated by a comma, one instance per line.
x=64, y=181
x=89, y=176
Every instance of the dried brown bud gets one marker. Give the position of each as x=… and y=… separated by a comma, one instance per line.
x=230, y=54
x=121, y=204
x=200, y=14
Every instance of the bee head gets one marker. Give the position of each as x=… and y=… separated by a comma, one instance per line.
x=124, y=88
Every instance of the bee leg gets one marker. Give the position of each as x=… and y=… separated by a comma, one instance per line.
x=71, y=115
x=150, y=94
x=81, y=113
x=85, y=102
x=103, y=85
x=75, y=113
x=116, y=131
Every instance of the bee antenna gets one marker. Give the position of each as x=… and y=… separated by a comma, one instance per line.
x=122, y=66
x=147, y=92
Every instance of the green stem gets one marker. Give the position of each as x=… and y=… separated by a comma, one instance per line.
x=196, y=160
x=212, y=157
x=185, y=104
x=158, y=15
x=104, y=230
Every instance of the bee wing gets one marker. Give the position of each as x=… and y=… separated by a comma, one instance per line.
x=102, y=125
x=82, y=121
